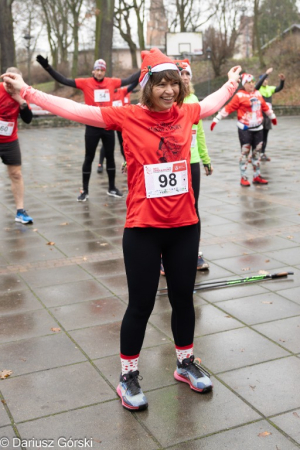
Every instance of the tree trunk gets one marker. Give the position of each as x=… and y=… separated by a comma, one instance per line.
x=104, y=30
x=140, y=23
x=256, y=34
x=7, y=43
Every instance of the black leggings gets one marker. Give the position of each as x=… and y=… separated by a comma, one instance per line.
x=102, y=150
x=92, y=138
x=196, y=176
x=265, y=140
x=142, y=249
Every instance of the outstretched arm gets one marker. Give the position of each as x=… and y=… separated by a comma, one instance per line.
x=134, y=78
x=215, y=101
x=88, y=115
x=54, y=74
x=263, y=78
x=281, y=83
x=132, y=86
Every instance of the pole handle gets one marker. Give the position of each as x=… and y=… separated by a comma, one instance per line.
x=281, y=274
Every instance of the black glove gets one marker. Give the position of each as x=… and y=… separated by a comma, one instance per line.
x=208, y=167
x=43, y=61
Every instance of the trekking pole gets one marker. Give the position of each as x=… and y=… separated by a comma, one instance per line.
x=223, y=283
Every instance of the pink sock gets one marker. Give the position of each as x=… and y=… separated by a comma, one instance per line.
x=129, y=363
x=184, y=352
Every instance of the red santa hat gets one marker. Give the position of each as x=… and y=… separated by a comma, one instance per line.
x=100, y=64
x=154, y=61
x=247, y=78
x=184, y=64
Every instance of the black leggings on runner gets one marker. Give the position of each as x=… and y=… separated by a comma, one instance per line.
x=196, y=176
x=92, y=138
x=102, y=150
x=142, y=249
x=265, y=140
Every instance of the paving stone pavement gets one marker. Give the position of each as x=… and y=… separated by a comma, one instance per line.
x=63, y=382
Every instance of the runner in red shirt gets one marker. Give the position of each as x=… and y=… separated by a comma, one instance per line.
x=249, y=104
x=121, y=98
x=98, y=91
x=10, y=108
x=161, y=217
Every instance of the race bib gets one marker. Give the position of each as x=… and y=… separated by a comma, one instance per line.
x=6, y=128
x=117, y=103
x=165, y=179
x=194, y=135
x=101, y=95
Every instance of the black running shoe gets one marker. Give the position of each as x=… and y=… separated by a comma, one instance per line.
x=83, y=196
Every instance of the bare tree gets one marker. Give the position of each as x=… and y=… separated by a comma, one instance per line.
x=27, y=22
x=122, y=23
x=189, y=15
x=139, y=8
x=221, y=37
x=104, y=32
x=7, y=43
x=256, y=35
x=56, y=18
x=74, y=8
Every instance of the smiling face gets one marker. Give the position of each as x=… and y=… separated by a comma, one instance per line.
x=164, y=94
x=162, y=90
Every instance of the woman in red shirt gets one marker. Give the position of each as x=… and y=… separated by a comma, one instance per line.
x=250, y=105
x=161, y=217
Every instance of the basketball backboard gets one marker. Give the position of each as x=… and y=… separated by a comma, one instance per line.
x=187, y=43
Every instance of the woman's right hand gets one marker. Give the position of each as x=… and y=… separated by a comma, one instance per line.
x=234, y=74
x=13, y=83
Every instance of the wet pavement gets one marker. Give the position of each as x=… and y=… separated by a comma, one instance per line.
x=63, y=295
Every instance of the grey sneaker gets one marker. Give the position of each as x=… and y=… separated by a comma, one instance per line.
x=115, y=193
x=192, y=373
x=201, y=263
x=130, y=392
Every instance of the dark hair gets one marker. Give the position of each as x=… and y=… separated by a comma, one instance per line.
x=154, y=79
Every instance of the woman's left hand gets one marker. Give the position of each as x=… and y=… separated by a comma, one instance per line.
x=234, y=74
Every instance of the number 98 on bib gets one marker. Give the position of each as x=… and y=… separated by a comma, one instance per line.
x=165, y=179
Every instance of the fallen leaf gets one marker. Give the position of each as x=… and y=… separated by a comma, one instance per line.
x=4, y=402
x=64, y=223
x=104, y=244
x=290, y=237
x=296, y=414
x=245, y=253
x=281, y=340
x=264, y=434
x=246, y=268
x=35, y=229
x=228, y=317
x=252, y=387
x=50, y=243
x=5, y=373
x=268, y=303
x=267, y=260
x=55, y=330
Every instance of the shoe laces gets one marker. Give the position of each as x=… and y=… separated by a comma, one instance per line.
x=194, y=367
x=132, y=382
